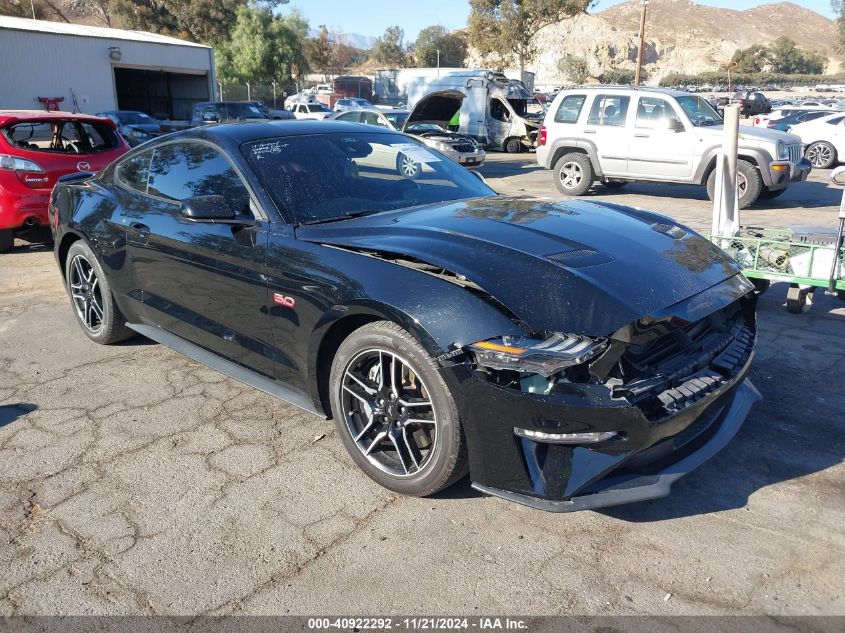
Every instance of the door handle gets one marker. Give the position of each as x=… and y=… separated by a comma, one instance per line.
x=589, y=131
x=641, y=135
x=143, y=229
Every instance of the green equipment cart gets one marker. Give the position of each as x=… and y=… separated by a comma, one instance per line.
x=805, y=257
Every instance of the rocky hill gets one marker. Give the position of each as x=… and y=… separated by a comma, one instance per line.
x=681, y=36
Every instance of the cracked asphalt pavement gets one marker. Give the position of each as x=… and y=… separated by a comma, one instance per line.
x=135, y=481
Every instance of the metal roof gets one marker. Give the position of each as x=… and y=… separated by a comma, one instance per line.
x=83, y=30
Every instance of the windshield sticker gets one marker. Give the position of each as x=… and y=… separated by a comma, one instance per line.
x=263, y=149
x=416, y=153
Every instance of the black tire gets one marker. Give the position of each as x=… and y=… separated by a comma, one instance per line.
x=446, y=459
x=614, y=184
x=821, y=154
x=513, y=146
x=768, y=194
x=840, y=294
x=108, y=326
x=407, y=168
x=753, y=183
x=580, y=175
x=761, y=285
x=7, y=240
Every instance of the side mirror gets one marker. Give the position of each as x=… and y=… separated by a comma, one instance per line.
x=206, y=208
x=838, y=176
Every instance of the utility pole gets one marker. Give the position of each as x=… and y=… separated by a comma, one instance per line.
x=643, y=4
x=438, y=62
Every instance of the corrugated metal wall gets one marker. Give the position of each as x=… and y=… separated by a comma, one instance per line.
x=48, y=65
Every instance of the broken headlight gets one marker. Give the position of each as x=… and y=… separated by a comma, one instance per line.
x=534, y=356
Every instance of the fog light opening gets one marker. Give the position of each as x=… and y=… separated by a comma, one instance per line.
x=568, y=438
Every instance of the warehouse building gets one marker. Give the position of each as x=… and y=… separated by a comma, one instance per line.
x=92, y=69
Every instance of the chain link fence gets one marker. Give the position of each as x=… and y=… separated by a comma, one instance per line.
x=272, y=95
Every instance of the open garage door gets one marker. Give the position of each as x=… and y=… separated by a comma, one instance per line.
x=159, y=93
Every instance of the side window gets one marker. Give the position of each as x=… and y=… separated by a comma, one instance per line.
x=372, y=118
x=609, y=110
x=835, y=120
x=134, y=172
x=184, y=170
x=498, y=110
x=351, y=117
x=654, y=112
x=570, y=109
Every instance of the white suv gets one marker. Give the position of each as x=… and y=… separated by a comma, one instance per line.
x=622, y=134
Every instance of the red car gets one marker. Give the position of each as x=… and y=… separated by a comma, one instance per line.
x=36, y=148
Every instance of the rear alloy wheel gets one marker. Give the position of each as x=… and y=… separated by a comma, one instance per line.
x=7, y=240
x=394, y=413
x=821, y=154
x=513, y=146
x=407, y=167
x=573, y=174
x=91, y=297
x=749, y=184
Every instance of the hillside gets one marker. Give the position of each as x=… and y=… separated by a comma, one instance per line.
x=681, y=36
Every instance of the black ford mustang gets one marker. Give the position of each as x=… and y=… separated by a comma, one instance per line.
x=568, y=355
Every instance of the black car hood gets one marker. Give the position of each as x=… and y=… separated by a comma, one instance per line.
x=149, y=128
x=570, y=266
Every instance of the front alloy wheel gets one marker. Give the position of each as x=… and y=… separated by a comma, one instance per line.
x=389, y=412
x=407, y=167
x=394, y=412
x=822, y=155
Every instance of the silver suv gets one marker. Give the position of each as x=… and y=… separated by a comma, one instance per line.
x=620, y=134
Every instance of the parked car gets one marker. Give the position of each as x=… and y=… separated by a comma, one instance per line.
x=316, y=111
x=300, y=97
x=784, y=124
x=223, y=111
x=751, y=103
x=567, y=355
x=352, y=103
x=616, y=135
x=135, y=127
x=776, y=116
x=428, y=121
x=36, y=149
x=823, y=139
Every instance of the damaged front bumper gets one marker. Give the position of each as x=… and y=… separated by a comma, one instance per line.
x=591, y=445
x=631, y=487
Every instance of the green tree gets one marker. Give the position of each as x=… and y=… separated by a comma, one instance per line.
x=262, y=48
x=620, y=76
x=320, y=50
x=389, y=49
x=574, y=68
x=503, y=31
x=208, y=21
x=784, y=57
x=749, y=60
x=452, y=47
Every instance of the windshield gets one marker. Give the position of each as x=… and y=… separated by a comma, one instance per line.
x=244, y=111
x=699, y=111
x=331, y=176
x=397, y=119
x=134, y=118
x=361, y=103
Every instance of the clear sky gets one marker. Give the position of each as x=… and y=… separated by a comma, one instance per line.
x=371, y=17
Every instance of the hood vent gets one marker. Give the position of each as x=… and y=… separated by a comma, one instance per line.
x=579, y=258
